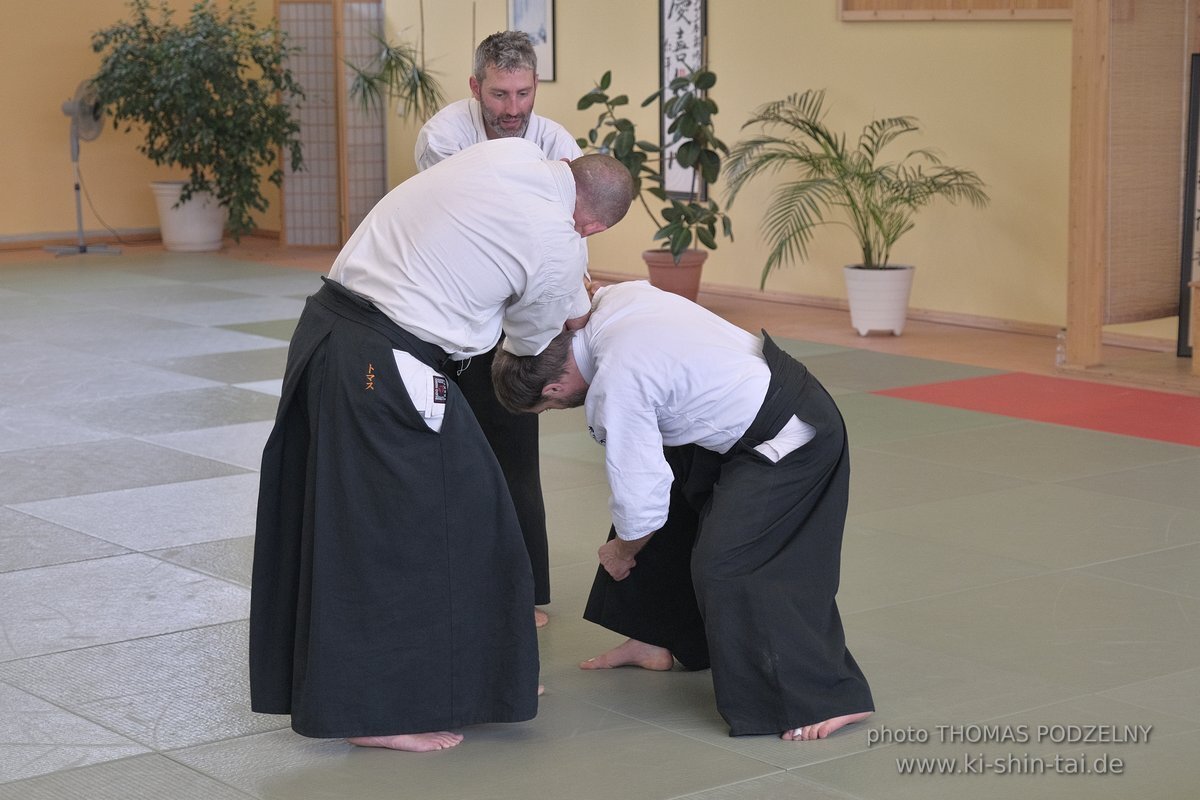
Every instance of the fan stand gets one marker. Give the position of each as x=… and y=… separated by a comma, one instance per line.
x=81, y=246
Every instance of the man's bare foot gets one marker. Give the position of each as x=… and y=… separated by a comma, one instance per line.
x=540, y=618
x=541, y=690
x=411, y=742
x=632, y=654
x=821, y=730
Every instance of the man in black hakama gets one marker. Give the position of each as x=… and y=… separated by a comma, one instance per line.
x=743, y=575
x=391, y=589
x=742, y=459
x=337, y=639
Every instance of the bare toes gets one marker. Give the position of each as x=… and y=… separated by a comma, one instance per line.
x=599, y=662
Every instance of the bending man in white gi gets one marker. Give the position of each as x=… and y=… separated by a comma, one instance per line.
x=503, y=88
x=391, y=590
x=753, y=485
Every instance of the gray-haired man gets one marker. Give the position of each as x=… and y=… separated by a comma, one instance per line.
x=503, y=88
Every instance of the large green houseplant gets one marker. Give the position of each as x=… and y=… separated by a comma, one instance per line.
x=212, y=96
x=833, y=182
x=685, y=223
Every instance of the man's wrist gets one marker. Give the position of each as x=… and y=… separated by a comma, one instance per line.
x=628, y=548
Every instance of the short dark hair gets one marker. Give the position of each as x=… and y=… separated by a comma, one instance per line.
x=507, y=51
x=603, y=186
x=519, y=380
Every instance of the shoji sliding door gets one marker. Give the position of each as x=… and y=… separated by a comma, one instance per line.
x=345, y=153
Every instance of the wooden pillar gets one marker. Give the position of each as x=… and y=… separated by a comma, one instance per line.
x=1087, y=241
x=1194, y=326
x=342, y=93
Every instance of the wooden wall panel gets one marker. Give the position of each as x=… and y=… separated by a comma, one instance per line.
x=917, y=10
x=1148, y=76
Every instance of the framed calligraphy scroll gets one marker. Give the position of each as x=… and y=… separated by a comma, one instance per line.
x=682, y=31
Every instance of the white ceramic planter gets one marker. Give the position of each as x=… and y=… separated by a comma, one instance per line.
x=878, y=298
x=196, y=226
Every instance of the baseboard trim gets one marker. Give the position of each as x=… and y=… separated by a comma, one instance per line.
x=1125, y=340
x=37, y=241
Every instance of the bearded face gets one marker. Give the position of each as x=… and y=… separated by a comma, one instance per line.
x=506, y=99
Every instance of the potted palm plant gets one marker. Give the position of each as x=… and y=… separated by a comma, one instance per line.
x=398, y=72
x=212, y=96
x=688, y=222
x=831, y=182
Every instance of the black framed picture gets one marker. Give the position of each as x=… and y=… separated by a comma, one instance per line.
x=1189, y=255
x=682, y=32
x=536, y=17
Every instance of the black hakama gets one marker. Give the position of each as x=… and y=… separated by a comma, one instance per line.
x=514, y=440
x=764, y=567
x=656, y=603
x=391, y=589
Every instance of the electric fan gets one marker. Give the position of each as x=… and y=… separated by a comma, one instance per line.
x=86, y=121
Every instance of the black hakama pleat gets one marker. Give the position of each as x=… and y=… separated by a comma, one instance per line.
x=514, y=440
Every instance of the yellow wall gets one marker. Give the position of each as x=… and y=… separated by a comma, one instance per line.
x=992, y=96
x=46, y=52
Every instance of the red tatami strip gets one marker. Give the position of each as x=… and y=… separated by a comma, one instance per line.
x=1064, y=401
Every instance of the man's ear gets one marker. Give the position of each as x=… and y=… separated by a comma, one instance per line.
x=552, y=391
x=589, y=228
x=476, y=89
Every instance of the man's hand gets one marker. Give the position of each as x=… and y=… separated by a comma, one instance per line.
x=615, y=563
x=617, y=556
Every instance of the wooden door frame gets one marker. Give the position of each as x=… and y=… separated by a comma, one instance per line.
x=1087, y=216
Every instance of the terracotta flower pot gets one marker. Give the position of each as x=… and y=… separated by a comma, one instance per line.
x=683, y=278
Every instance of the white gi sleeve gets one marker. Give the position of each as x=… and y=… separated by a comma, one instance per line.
x=558, y=143
x=553, y=289
x=447, y=132
x=529, y=327
x=638, y=474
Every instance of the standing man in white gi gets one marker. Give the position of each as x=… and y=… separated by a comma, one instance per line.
x=391, y=590
x=503, y=88
x=726, y=545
